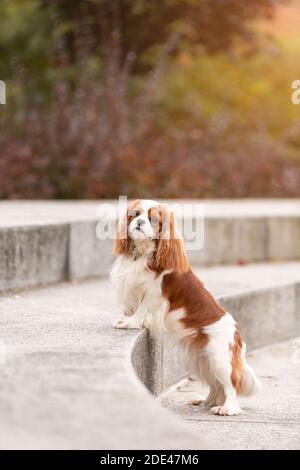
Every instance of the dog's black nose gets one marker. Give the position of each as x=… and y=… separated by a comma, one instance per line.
x=140, y=222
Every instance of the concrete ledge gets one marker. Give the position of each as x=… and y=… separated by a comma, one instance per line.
x=40, y=255
x=256, y=239
x=33, y=255
x=87, y=256
x=47, y=242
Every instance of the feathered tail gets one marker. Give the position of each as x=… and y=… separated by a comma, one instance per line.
x=243, y=376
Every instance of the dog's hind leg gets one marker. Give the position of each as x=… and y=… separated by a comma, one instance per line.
x=227, y=393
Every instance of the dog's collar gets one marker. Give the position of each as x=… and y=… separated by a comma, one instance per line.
x=137, y=255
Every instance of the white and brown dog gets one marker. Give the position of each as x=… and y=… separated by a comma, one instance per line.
x=159, y=291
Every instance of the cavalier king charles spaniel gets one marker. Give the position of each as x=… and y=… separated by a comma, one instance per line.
x=158, y=289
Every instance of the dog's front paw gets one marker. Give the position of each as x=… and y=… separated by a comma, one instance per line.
x=126, y=324
x=121, y=324
x=232, y=410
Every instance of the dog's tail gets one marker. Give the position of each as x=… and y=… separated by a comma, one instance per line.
x=249, y=384
x=244, y=378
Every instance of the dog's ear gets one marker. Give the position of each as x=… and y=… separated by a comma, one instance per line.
x=170, y=253
x=122, y=240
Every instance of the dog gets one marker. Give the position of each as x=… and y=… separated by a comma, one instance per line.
x=158, y=289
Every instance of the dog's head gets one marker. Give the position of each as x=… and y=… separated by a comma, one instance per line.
x=149, y=227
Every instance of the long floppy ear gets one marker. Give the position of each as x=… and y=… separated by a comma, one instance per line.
x=170, y=253
x=122, y=240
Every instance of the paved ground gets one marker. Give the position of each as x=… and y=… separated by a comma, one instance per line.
x=271, y=420
x=16, y=213
x=235, y=279
x=68, y=381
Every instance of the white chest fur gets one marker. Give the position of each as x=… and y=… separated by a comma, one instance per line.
x=139, y=291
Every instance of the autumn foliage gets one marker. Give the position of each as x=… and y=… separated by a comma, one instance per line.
x=97, y=113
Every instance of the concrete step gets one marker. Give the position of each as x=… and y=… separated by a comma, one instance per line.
x=69, y=379
x=47, y=242
x=67, y=382
x=271, y=420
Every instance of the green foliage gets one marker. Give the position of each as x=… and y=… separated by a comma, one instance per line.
x=34, y=32
x=246, y=96
x=26, y=44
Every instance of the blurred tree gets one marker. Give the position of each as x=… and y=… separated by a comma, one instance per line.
x=40, y=33
x=43, y=41
x=213, y=23
x=183, y=133
x=145, y=25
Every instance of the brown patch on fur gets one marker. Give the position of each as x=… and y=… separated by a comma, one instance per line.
x=123, y=241
x=236, y=361
x=170, y=252
x=186, y=291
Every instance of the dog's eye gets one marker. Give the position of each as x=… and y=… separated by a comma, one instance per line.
x=135, y=213
x=154, y=220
